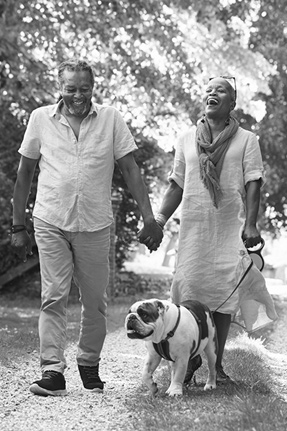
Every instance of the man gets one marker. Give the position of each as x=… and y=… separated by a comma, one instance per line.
x=76, y=143
x=217, y=176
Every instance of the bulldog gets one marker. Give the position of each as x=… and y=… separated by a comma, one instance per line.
x=175, y=333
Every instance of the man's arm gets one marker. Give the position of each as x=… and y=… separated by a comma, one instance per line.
x=21, y=240
x=251, y=234
x=171, y=200
x=151, y=234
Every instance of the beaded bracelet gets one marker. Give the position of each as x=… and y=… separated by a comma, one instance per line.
x=161, y=220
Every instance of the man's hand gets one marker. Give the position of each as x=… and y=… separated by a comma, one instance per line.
x=151, y=235
x=22, y=244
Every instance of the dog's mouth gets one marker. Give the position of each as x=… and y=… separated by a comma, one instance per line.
x=131, y=333
x=136, y=329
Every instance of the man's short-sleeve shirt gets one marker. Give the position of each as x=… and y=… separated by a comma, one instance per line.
x=75, y=178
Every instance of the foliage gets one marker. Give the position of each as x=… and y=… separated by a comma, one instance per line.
x=27, y=67
x=268, y=37
x=129, y=284
x=151, y=60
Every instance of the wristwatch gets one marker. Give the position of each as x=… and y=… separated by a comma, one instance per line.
x=15, y=228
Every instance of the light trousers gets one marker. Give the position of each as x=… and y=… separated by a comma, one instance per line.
x=83, y=256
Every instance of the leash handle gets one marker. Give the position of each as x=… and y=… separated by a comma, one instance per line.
x=236, y=287
x=255, y=254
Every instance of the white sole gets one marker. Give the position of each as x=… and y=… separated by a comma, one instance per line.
x=37, y=390
x=95, y=390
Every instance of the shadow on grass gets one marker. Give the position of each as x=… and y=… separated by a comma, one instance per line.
x=238, y=406
x=248, y=403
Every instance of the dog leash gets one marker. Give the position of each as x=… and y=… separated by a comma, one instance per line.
x=236, y=287
x=162, y=348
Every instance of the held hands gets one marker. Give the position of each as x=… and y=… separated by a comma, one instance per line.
x=151, y=235
x=22, y=244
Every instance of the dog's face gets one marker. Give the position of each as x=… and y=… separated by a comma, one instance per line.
x=144, y=318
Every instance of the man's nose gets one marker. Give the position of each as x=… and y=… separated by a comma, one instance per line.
x=78, y=93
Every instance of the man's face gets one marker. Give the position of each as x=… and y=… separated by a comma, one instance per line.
x=219, y=99
x=77, y=91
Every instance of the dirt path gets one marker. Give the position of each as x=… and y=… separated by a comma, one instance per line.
x=121, y=367
x=80, y=410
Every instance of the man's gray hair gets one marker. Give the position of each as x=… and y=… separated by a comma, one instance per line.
x=75, y=66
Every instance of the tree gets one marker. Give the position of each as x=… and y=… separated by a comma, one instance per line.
x=270, y=38
x=151, y=61
x=118, y=39
x=267, y=36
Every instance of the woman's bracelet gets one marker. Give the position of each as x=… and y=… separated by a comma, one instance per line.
x=161, y=220
x=15, y=228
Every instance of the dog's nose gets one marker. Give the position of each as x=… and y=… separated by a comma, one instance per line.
x=132, y=316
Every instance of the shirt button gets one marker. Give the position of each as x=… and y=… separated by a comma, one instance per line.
x=242, y=252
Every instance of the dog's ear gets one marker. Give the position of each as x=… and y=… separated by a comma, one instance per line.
x=160, y=307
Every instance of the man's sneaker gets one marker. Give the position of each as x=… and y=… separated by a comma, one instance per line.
x=192, y=366
x=52, y=383
x=90, y=378
x=221, y=376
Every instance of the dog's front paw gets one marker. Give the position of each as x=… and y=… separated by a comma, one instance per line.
x=175, y=390
x=209, y=386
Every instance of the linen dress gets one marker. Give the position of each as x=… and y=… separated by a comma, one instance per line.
x=212, y=257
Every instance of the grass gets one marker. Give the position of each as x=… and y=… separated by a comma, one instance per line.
x=251, y=403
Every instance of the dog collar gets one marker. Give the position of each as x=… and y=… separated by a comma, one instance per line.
x=162, y=348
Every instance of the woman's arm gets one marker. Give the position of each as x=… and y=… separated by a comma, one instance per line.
x=171, y=200
x=251, y=234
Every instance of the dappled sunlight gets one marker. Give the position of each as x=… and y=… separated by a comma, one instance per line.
x=244, y=342
x=257, y=347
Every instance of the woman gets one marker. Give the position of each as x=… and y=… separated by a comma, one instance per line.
x=217, y=177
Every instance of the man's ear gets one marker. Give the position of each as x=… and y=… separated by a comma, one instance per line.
x=232, y=105
x=59, y=86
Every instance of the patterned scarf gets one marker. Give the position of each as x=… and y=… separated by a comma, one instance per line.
x=211, y=154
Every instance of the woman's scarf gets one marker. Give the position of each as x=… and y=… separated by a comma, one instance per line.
x=211, y=154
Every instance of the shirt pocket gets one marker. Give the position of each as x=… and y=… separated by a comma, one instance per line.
x=99, y=149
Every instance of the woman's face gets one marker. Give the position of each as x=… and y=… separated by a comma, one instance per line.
x=219, y=99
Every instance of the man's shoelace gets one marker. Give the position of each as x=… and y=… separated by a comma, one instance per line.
x=47, y=375
x=91, y=372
